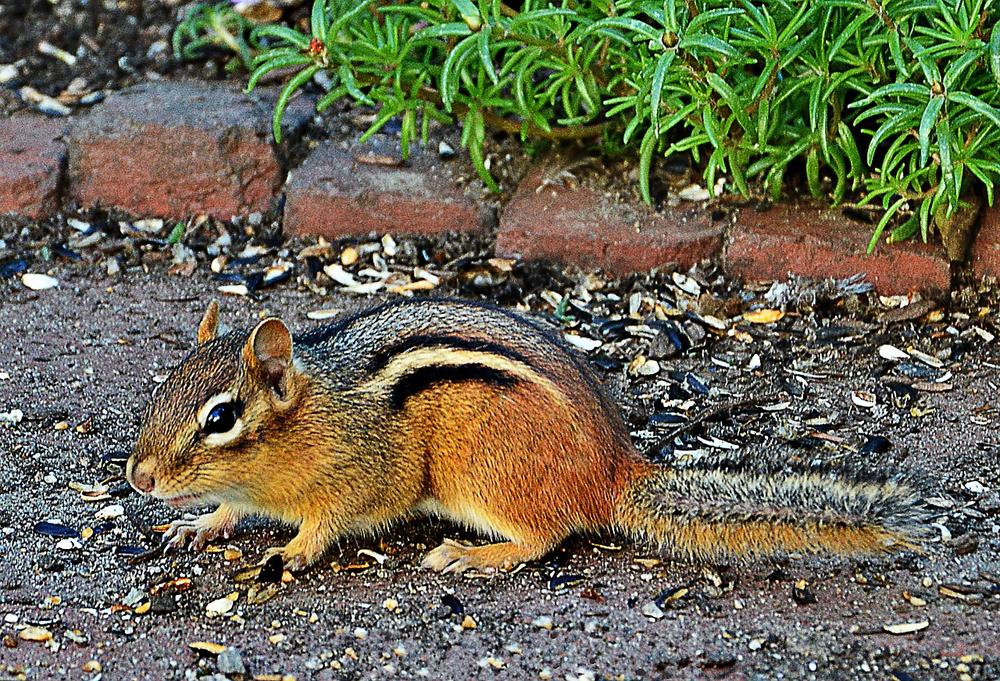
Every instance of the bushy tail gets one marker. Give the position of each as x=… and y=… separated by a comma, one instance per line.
x=725, y=512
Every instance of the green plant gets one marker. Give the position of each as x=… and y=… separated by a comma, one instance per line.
x=214, y=26
x=891, y=102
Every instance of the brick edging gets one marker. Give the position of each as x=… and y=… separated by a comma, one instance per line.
x=176, y=148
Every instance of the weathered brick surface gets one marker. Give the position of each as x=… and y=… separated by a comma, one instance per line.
x=32, y=155
x=178, y=148
x=586, y=227
x=817, y=242
x=986, y=248
x=335, y=194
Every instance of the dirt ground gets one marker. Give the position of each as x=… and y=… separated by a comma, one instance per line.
x=80, y=359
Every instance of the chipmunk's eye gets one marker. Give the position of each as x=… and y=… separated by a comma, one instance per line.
x=221, y=418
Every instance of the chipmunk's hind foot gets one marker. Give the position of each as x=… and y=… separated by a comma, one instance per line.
x=452, y=556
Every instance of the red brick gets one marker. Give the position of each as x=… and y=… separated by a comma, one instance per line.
x=586, y=227
x=986, y=247
x=174, y=149
x=32, y=154
x=813, y=241
x=334, y=195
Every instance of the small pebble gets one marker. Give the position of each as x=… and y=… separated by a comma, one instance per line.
x=8, y=72
x=975, y=487
x=652, y=610
x=543, y=622
x=230, y=662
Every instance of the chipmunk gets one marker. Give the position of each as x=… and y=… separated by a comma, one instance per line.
x=472, y=413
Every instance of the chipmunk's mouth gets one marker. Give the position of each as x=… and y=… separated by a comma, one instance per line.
x=183, y=500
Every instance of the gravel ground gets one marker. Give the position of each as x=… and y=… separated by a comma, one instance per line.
x=79, y=361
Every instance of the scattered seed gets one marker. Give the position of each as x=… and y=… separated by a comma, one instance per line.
x=693, y=192
x=983, y=333
x=582, y=342
x=648, y=563
x=112, y=512
x=234, y=289
x=262, y=593
x=468, y=622
x=50, y=50
x=38, y=282
x=929, y=360
x=975, y=487
x=219, y=606
x=36, y=634
x=945, y=532
x=379, y=558
x=863, y=399
x=763, y=316
x=207, y=647
x=905, y=627
x=349, y=256
x=687, y=284
x=56, y=530
x=892, y=353
x=50, y=106
x=340, y=275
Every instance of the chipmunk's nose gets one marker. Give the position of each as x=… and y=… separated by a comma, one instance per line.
x=139, y=476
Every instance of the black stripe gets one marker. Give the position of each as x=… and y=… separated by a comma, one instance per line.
x=423, y=378
x=381, y=359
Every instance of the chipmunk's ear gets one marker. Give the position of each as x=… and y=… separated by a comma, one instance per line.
x=268, y=351
x=209, y=326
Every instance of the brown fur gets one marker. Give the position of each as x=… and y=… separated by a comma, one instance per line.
x=470, y=413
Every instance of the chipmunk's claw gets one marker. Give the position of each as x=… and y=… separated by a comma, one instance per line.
x=195, y=533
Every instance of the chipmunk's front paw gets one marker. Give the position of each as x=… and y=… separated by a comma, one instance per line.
x=196, y=532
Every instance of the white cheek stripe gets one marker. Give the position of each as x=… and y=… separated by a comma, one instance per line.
x=219, y=439
x=212, y=404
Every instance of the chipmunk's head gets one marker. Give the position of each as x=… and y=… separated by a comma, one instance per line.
x=207, y=427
